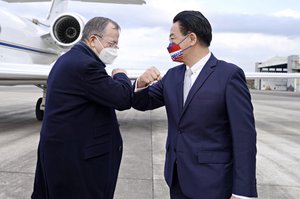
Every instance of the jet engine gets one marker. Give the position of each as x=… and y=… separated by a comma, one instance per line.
x=66, y=29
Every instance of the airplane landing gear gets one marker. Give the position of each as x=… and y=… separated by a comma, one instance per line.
x=40, y=104
x=39, y=114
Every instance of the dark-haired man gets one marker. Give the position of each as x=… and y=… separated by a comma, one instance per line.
x=211, y=143
x=80, y=145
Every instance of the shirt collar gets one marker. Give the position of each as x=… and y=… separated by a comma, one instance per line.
x=197, y=67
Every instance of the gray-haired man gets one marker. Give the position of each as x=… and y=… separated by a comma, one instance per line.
x=80, y=145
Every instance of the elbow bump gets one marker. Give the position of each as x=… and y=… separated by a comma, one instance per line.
x=125, y=104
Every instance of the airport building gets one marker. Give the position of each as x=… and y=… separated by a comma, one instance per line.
x=290, y=64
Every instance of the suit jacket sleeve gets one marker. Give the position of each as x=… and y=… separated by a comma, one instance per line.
x=242, y=125
x=149, y=98
x=103, y=89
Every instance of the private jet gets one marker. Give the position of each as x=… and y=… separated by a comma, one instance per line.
x=29, y=47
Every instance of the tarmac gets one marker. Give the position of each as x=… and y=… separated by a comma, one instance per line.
x=277, y=117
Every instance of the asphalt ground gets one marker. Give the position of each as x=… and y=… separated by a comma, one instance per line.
x=277, y=117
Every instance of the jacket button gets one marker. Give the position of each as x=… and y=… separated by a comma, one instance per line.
x=120, y=148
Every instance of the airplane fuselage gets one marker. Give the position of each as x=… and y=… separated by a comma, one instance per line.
x=28, y=48
x=21, y=42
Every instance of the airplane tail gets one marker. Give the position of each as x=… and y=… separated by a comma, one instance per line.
x=60, y=6
x=57, y=7
x=66, y=28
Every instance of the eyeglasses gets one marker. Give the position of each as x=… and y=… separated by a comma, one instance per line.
x=111, y=44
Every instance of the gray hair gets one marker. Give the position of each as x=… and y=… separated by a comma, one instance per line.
x=97, y=26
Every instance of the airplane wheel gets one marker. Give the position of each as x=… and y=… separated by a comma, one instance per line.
x=39, y=114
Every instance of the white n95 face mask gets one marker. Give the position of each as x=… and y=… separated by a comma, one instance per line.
x=107, y=55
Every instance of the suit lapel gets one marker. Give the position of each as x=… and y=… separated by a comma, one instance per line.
x=207, y=70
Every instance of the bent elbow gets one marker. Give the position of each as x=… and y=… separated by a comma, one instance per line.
x=125, y=104
x=124, y=107
x=139, y=107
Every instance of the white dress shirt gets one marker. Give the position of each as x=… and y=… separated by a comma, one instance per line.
x=197, y=67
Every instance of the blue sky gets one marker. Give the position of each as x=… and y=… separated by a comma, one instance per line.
x=244, y=32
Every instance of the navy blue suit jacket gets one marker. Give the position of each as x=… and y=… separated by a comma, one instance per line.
x=212, y=138
x=80, y=145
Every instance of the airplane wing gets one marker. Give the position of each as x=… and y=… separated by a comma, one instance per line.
x=23, y=74
x=134, y=74
x=257, y=75
x=96, y=1
x=36, y=74
x=116, y=1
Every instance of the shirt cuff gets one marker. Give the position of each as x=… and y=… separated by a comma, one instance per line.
x=136, y=89
x=241, y=197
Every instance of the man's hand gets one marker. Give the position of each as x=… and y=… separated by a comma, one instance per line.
x=118, y=70
x=149, y=76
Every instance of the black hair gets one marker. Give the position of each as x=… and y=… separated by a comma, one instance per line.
x=194, y=21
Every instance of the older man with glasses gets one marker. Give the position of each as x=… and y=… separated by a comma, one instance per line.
x=80, y=146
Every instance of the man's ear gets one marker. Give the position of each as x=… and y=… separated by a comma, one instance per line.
x=194, y=39
x=91, y=40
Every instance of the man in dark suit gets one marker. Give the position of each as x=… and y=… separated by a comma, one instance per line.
x=211, y=143
x=80, y=146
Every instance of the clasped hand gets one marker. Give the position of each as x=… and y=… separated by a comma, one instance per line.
x=148, y=77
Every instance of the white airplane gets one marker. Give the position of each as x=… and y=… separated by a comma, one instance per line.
x=29, y=47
